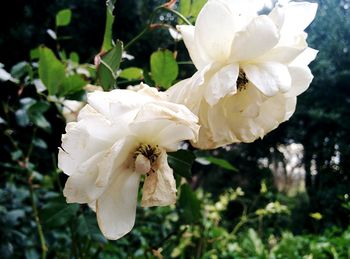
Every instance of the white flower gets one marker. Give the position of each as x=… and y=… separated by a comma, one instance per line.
x=119, y=136
x=247, y=79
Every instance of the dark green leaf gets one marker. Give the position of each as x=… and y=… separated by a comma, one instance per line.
x=22, y=117
x=189, y=204
x=40, y=143
x=57, y=213
x=87, y=227
x=132, y=73
x=20, y=69
x=107, y=70
x=51, y=70
x=181, y=162
x=221, y=163
x=164, y=69
x=63, y=17
x=35, y=113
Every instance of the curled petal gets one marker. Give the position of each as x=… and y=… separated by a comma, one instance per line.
x=159, y=188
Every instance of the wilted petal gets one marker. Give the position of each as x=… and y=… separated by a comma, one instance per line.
x=116, y=208
x=268, y=77
x=260, y=36
x=159, y=188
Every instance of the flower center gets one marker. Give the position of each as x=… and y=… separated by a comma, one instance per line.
x=242, y=80
x=145, y=156
x=148, y=151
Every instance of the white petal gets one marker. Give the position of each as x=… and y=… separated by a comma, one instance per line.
x=159, y=188
x=80, y=187
x=116, y=208
x=297, y=16
x=301, y=80
x=171, y=136
x=199, y=59
x=113, y=158
x=305, y=58
x=214, y=30
x=260, y=36
x=269, y=77
x=78, y=144
x=222, y=83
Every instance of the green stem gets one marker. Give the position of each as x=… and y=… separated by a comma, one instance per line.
x=37, y=220
x=147, y=28
x=177, y=14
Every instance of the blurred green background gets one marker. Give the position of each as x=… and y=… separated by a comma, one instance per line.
x=286, y=196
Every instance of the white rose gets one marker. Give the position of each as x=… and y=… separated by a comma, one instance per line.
x=247, y=80
x=119, y=136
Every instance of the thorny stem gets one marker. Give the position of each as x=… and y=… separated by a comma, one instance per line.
x=148, y=26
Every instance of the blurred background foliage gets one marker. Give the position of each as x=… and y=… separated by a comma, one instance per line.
x=286, y=196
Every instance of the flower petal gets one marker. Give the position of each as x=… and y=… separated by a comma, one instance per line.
x=294, y=17
x=305, y=58
x=199, y=59
x=80, y=186
x=116, y=208
x=268, y=77
x=222, y=83
x=301, y=80
x=159, y=188
x=215, y=30
x=260, y=36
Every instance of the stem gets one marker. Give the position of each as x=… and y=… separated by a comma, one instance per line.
x=177, y=14
x=37, y=220
x=147, y=28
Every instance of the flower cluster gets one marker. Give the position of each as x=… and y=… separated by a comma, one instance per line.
x=251, y=68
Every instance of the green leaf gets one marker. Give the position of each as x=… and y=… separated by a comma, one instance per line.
x=72, y=84
x=20, y=69
x=196, y=7
x=190, y=205
x=108, y=34
x=181, y=162
x=73, y=56
x=35, y=113
x=185, y=8
x=63, y=17
x=132, y=73
x=51, y=70
x=107, y=70
x=221, y=163
x=57, y=213
x=164, y=69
